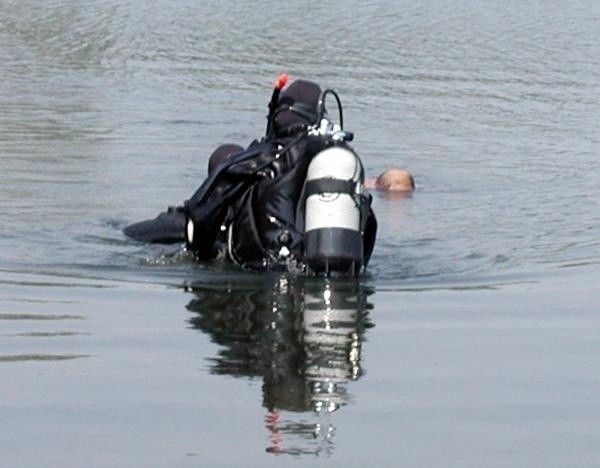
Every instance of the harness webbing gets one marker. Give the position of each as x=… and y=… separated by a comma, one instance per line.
x=330, y=185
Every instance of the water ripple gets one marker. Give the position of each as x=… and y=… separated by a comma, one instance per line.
x=41, y=357
x=40, y=317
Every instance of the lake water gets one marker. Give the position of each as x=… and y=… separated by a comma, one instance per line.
x=474, y=339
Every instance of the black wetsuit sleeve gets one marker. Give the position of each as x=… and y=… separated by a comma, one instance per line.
x=167, y=228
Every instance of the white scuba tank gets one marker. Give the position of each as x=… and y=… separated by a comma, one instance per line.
x=332, y=213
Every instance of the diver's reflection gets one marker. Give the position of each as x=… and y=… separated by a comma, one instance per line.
x=303, y=336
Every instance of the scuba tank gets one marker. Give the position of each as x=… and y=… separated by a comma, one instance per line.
x=335, y=206
x=333, y=213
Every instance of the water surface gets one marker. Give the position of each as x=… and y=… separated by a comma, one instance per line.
x=472, y=340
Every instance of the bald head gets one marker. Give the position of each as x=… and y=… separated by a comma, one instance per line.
x=394, y=180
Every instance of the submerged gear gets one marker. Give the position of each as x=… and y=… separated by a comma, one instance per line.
x=260, y=205
x=294, y=197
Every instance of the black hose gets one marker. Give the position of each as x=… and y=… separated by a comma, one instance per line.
x=321, y=106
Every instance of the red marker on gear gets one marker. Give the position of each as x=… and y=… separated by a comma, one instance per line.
x=282, y=81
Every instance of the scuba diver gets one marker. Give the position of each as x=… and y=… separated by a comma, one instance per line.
x=293, y=200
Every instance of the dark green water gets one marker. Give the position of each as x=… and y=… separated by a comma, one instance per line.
x=473, y=341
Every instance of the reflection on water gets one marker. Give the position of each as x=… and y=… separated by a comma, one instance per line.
x=303, y=338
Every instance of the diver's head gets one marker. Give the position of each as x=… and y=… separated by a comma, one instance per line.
x=221, y=154
x=395, y=180
x=296, y=106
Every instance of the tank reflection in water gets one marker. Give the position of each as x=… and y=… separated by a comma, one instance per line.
x=303, y=337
